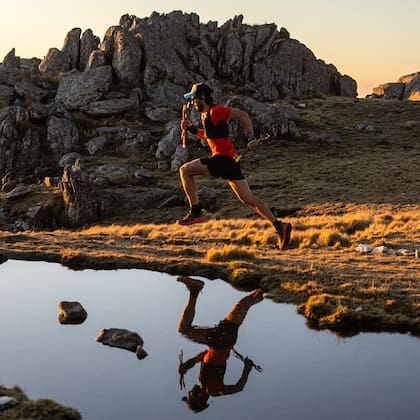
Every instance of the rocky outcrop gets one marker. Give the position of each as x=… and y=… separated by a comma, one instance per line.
x=406, y=88
x=260, y=59
x=166, y=53
x=120, y=97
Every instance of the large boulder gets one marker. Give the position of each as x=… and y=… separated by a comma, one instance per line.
x=168, y=144
x=271, y=118
x=30, y=91
x=58, y=61
x=28, y=156
x=127, y=56
x=11, y=60
x=97, y=58
x=71, y=47
x=62, y=136
x=82, y=202
x=389, y=90
x=54, y=62
x=109, y=107
x=407, y=88
x=412, y=88
x=168, y=40
x=78, y=89
x=88, y=43
x=10, y=119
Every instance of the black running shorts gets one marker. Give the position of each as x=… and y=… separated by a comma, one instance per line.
x=221, y=336
x=225, y=167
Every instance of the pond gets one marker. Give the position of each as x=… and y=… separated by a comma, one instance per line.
x=305, y=374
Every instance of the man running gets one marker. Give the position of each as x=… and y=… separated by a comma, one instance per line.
x=222, y=163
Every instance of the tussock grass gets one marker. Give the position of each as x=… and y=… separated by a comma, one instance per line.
x=319, y=231
x=229, y=253
x=329, y=310
x=376, y=287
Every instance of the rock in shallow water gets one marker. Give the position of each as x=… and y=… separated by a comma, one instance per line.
x=71, y=313
x=123, y=339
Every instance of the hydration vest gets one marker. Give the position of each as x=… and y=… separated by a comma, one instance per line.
x=212, y=131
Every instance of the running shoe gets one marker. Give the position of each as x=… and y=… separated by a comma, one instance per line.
x=284, y=230
x=191, y=283
x=191, y=219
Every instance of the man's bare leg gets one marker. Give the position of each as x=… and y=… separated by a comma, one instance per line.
x=245, y=196
x=187, y=317
x=187, y=173
x=240, y=310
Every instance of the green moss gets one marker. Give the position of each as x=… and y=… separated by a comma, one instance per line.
x=37, y=409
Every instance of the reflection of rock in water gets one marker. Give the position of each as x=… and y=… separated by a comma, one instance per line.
x=123, y=339
x=71, y=313
x=3, y=258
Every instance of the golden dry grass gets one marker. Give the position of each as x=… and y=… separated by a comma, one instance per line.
x=370, y=225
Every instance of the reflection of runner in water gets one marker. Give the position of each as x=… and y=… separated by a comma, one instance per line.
x=220, y=340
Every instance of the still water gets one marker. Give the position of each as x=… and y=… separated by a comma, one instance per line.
x=306, y=374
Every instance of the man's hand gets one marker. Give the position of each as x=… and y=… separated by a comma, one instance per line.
x=252, y=142
x=183, y=367
x=185, y=124
x=249, y=364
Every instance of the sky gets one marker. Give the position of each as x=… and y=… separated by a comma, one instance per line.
x=373, y=41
